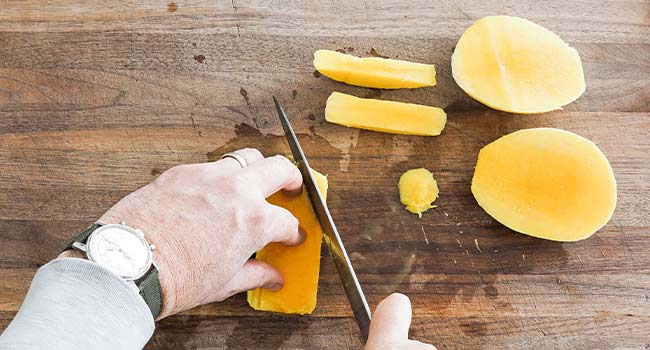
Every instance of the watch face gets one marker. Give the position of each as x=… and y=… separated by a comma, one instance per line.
x=121, y=250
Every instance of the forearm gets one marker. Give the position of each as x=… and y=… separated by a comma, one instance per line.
x=75, y=304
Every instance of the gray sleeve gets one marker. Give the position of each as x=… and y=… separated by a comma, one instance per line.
x=74, y=304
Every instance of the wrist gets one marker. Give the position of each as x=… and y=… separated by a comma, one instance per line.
x=165, y=275
x=72, y=253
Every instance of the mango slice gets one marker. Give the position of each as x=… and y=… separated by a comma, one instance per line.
x=300, y=265
x=384, y=116
x=374, y=72
x=546, y=183
x=417, y=190
x=514, y=65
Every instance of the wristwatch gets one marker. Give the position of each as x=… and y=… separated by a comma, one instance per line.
x=125, y=252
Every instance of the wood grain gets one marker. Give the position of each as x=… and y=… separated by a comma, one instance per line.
x=97, y=99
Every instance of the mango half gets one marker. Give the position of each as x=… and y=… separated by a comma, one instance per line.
x=546, y=183
x=299, y=265
x=374, y=72
x=514, y=65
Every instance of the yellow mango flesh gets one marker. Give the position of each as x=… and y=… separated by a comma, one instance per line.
x=374, y=72
x=514, y=65
x=546, y=183
x=417, y=190
x=300, y=265
x=384, y=116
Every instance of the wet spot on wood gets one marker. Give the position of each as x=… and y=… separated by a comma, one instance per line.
x=311, y=117
x=247, y=136
x=246, y=130
x=374, y=52
x=262, y=123
x=317, y=74
x=244, y=94
x=172, y=7
x=294, y=93
x=199, y=58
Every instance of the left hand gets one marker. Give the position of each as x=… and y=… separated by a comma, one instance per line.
x=206, y=220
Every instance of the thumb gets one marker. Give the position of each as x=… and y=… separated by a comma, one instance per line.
x=390, y=322
x=254, y=274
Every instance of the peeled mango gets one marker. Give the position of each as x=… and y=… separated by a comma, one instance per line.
x=300, y=265
x=417, y=190
x=374, y=72
x=384, y=116
x=514, y=65
x=547, y=183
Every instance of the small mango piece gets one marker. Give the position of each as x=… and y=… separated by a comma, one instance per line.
x=546, y=183
x=514, y=65
x=374, y=72
x=384, y=116
x=299, y=265
x=417, y=190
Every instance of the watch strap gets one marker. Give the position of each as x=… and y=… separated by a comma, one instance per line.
x=83, y=236
x=151, y=292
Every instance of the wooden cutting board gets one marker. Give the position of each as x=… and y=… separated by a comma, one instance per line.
x=96, y=100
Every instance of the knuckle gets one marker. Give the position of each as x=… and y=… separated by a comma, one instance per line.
x=258, y=215
x=234, y=184
x=281, y=160
x=170, y=174
x=176, y=170
x=285, y=166
x=253, y=151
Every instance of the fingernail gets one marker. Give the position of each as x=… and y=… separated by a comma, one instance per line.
x=294, y=192
x=302, y=235
x=275, y=286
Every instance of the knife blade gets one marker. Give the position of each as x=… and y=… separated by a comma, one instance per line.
x=331, y=235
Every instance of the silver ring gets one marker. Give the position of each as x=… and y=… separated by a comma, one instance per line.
x=242, y=162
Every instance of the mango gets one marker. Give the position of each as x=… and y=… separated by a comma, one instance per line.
x=374, y=72
x=546, y=183
x=514, y=65
x=417, y=190
x=384, y=116
x=299, y=265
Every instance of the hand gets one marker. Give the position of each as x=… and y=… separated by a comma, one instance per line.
x=389, y=329
x=206, y=220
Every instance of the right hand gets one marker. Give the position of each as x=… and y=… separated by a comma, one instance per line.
x=389, y=329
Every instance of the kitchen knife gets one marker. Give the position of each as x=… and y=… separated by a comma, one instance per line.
x=342, y=262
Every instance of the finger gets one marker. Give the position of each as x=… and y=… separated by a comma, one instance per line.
x=416, y=345
x=283, y=227
x=391, y=321
x=228, y=164
x=273, y=174
x=254, y=274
